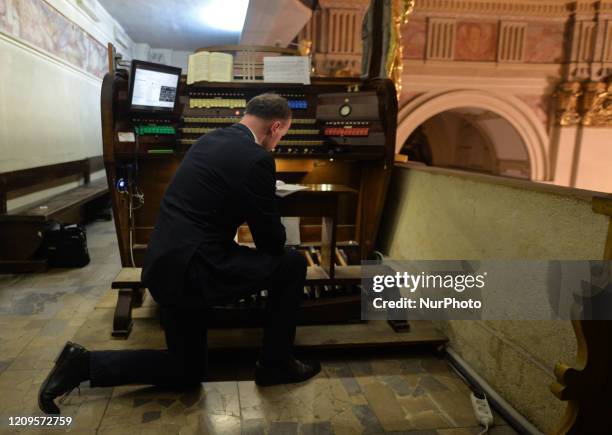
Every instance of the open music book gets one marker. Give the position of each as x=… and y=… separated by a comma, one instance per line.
x=283, y=189
x=210, y=66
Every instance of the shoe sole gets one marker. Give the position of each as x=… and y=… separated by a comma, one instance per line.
x=58, y=359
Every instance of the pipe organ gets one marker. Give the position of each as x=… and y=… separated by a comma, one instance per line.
x=341, y=144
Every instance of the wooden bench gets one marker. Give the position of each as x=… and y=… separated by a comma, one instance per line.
x=21, y=229
x=131, y=295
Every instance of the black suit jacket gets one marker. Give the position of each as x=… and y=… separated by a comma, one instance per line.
x=225, y=179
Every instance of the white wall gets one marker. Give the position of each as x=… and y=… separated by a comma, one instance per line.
x=594, y=155
x=49, y=111
x=49, y=108
x=583, y=157
x=165, y=56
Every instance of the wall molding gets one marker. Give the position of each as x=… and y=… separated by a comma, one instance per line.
x=492, y=67
x=522, y=8
x=512, y=41
x=50, y=30
x=550, y=10
x=97, y=30
x=440, y=43
x=49, y=57
x=516, y=85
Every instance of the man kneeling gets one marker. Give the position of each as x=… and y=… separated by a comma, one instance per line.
x=228, y=177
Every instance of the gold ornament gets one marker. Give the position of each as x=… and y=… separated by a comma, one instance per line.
x=401, y=9
x=600, y=110
x=569, y=104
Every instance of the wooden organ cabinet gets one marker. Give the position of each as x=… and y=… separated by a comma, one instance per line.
x=341, y=144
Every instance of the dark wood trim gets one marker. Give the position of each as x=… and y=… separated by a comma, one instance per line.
x=24, y=178
x=111, y=84
x=377, y=53
x=122, y=321
x=96, y=164
x=21, y=228
x=58, y=204
x=586, y=386
x=14, y=184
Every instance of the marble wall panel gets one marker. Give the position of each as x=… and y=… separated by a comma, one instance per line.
x=413, y=39
x=476, y=41
x=39, y=24
x=540, y=104
x=544, y=42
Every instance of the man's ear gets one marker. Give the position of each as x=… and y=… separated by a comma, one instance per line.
x=275, y=127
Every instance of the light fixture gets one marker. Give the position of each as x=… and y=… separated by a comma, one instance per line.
x=122, y=185
x=225, y=15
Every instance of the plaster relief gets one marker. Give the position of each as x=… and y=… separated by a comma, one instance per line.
x=476, y=41
x=544, y=42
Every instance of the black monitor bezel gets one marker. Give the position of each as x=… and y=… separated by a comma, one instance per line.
x=153, y=67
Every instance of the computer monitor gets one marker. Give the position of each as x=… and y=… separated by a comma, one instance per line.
x=153, y=87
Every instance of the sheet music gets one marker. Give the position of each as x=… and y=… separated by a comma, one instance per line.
x=210, y=67
x=197, y=68
x=287, y=69
x=220, y=67
x=283, y=189
x=292, y=230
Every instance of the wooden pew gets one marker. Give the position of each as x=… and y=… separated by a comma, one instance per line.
x=21, y=229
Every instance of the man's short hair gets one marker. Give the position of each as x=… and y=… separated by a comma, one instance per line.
x=268, y=106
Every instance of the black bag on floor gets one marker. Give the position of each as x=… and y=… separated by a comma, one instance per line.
x=66, y=246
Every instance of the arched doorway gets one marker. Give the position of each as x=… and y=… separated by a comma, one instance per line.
x=472, y=139
x=476, y=130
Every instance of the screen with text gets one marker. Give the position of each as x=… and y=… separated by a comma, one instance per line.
x=154, y=89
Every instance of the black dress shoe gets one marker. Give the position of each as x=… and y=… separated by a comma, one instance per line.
x=71, y=368
x=286, y=372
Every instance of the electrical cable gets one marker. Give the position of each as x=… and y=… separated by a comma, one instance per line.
x=131, y=229
x=470, y=386
x=134, y=193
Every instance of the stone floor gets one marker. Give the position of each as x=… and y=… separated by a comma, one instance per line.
x=414, y=393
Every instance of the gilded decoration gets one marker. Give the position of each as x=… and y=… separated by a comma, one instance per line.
x=589, y=104
x=599, y=108
x=401, y=9
x=568, y=97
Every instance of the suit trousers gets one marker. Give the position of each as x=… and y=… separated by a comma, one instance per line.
x=184, y=362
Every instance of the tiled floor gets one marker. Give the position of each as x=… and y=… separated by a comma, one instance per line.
x=412, y=393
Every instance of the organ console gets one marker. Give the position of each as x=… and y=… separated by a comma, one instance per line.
x=341, y=144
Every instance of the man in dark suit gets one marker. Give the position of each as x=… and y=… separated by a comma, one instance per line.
x=228, y=177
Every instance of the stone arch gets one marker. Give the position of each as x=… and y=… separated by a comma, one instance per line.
x=509, y=107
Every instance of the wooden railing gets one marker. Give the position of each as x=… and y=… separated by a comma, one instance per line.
x=587, y=387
